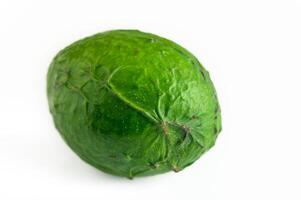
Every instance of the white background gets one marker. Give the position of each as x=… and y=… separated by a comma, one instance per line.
x=252, y=50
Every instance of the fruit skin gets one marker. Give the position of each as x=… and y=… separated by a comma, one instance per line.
x=132, y=103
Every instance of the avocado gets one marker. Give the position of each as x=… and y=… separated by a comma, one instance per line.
x=132, y=103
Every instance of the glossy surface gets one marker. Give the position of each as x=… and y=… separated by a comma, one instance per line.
x=133, y=103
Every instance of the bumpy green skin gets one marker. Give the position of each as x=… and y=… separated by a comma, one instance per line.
x=133, y=103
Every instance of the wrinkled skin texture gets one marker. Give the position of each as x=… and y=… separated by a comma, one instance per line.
x=133, y=103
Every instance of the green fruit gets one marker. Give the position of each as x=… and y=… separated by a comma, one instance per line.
x=132, y=103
